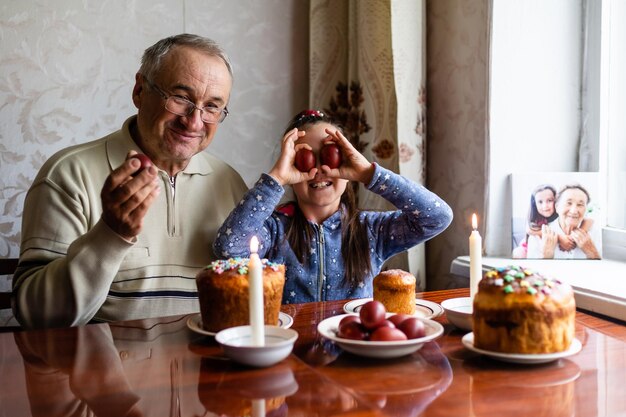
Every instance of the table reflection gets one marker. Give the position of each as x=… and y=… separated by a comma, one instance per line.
x=116, y=370
x=242, y=391
x=108, y=370
x=228, y=389
x=402, y=386
x=64, y=383
x=549, y=389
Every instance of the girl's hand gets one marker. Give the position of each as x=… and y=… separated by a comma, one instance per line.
x=549, y=241
x=284, y=170
x=355, y=167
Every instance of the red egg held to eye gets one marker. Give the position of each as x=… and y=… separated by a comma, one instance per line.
x=331, y=155
x=305, y=160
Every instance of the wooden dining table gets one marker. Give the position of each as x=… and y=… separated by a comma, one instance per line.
x=160, y=367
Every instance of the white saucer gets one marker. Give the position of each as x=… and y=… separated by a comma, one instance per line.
x=237, y=344
x=523, y=358
x=423, y=308
x=459, y=312
x=194, y=322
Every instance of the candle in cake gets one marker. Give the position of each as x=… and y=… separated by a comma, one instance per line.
x=476, y=257
x=255, y=279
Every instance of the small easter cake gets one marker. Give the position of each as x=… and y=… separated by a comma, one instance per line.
x=395, y=288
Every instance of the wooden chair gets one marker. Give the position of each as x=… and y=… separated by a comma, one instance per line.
x=7, y=267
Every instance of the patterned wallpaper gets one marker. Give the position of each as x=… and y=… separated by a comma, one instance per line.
x=68, y=66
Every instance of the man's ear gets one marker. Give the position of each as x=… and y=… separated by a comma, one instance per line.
x=137, y=90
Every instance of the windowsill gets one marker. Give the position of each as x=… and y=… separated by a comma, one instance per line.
x=598, y=285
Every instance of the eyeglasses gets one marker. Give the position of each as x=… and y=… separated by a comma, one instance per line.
x=181, y=106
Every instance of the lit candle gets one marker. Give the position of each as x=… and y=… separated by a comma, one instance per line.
x=255, y=280
x=476, y=257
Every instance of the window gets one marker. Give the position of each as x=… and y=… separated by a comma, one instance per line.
x=604, y=106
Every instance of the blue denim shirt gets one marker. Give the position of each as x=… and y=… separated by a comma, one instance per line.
x=421, y=215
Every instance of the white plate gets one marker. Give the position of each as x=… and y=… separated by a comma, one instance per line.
x=423, y=308
x=523, y=358
x=194, y=322
x=394, y=349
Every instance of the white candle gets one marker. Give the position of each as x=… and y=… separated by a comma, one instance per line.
x=255, y=282
x=258, y=408
x=476, y=257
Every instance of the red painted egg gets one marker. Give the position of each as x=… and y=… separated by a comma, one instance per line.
x=413, y=328
x=352, y=330
x=387, y=334
x=372, y=314
x=331, y=155
x=305, y=160
x=145, y=162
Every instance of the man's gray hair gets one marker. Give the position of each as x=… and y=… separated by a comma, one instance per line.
x=152, y=57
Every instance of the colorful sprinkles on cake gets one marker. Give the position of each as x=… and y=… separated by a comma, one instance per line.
x=239, y=264
x=511, y=278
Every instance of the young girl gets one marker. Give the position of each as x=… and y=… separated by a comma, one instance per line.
x=541, y=209
x=331, y=249
x=541, y=212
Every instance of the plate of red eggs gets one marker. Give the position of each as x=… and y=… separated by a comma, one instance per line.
x=375, y=333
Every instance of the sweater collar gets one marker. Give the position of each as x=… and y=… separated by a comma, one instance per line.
x=117, y=150
x=334, y=221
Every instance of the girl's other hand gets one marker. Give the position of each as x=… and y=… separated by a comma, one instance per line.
x=284, y=170
x=355, y=167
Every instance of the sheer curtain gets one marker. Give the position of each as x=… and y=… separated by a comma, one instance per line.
x=373, y=78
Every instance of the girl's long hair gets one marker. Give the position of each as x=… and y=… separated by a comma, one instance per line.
x=535, y=220
x=354, y=241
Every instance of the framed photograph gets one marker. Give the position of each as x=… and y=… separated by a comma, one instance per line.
x=556, y=215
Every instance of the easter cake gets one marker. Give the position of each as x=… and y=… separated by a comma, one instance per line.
x=517, y=310
x=223, y=293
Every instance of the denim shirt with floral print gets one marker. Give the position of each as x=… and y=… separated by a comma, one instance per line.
x=421, y=215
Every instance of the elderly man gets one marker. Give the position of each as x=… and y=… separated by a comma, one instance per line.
x=106, y=237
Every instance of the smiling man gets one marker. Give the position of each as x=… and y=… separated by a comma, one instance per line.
x=106, y=237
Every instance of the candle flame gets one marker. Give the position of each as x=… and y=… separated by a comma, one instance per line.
x=474, y=221
x=254, y=245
